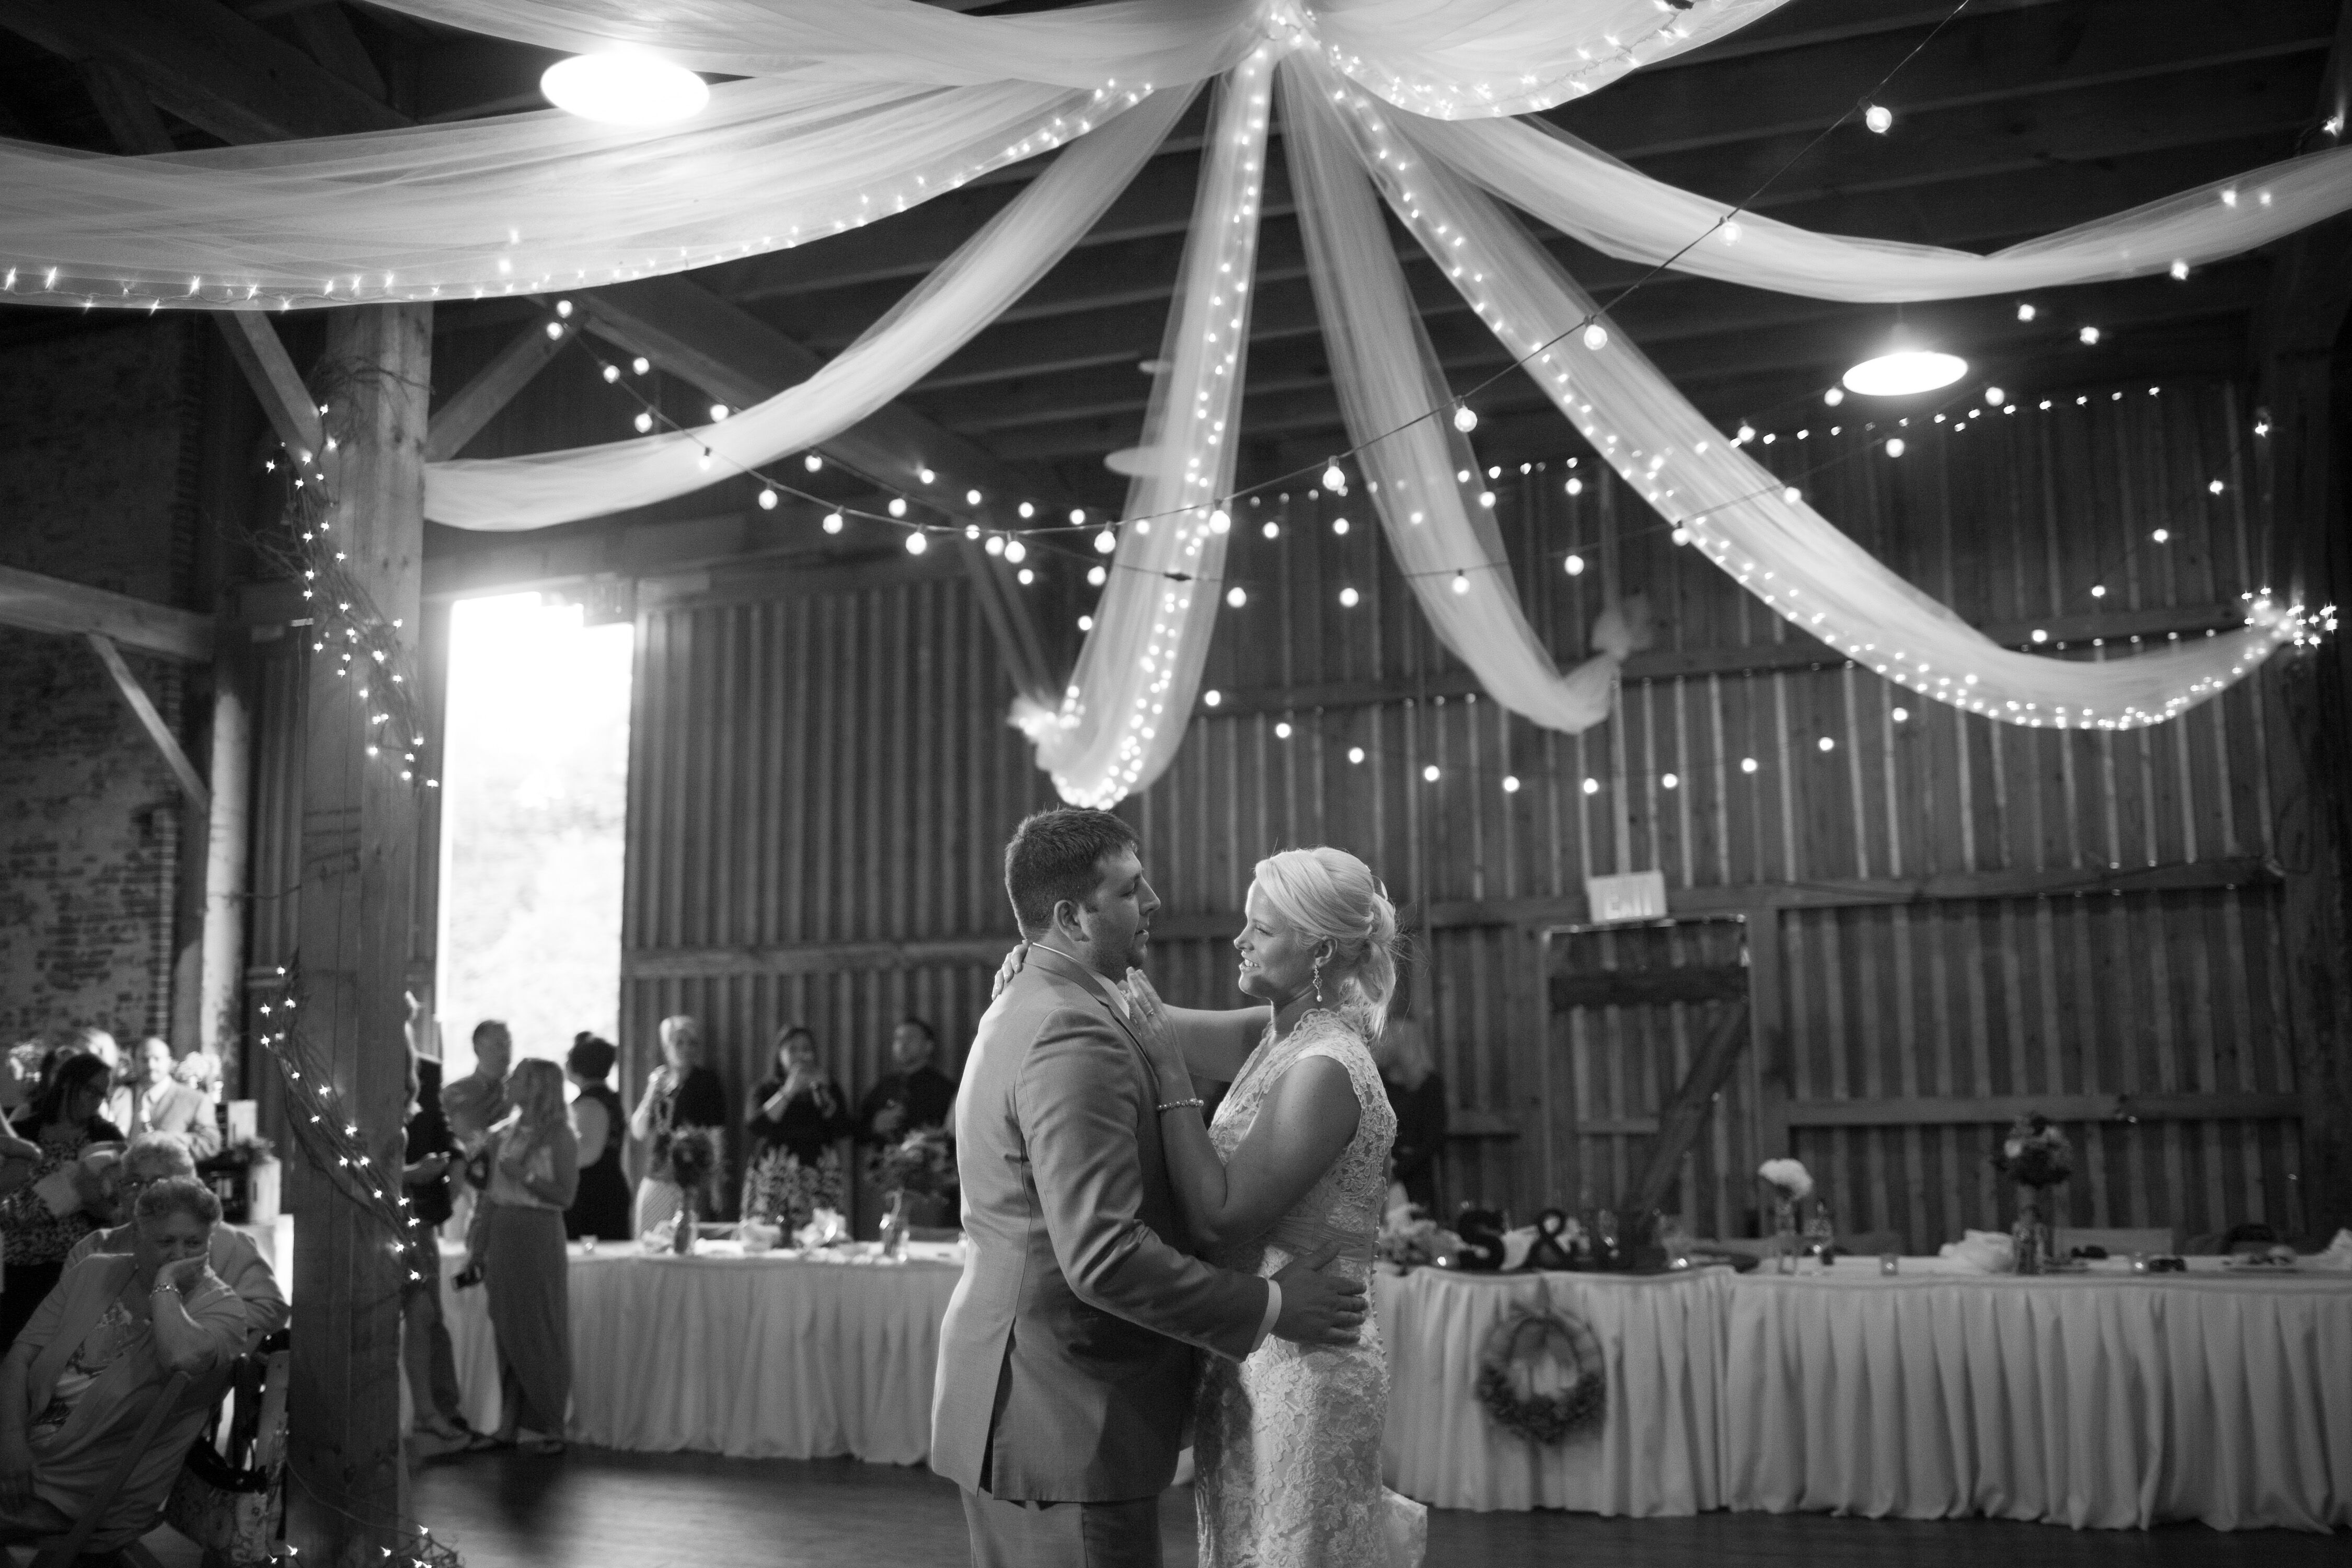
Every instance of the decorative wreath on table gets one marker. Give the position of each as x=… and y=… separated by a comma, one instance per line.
x=1514, y=1347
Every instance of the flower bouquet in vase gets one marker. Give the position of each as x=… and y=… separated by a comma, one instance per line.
x=2036, y=1156
x=1790, y=1182
x=693, y=1150
x=921, y=1164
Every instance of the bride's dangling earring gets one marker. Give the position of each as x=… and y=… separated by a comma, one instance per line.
x=1318, y=978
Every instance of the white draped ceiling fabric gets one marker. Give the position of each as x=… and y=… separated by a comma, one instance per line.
x=1123, y=716
x=857, y=109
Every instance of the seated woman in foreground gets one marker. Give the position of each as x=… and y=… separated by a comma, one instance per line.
x=95, y=1357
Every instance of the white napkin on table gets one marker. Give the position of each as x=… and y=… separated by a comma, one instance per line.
x=1987, y=1251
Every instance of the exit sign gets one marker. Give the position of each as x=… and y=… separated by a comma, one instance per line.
x=1637, y=896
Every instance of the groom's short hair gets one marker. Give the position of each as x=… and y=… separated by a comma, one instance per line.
x=1056, y=855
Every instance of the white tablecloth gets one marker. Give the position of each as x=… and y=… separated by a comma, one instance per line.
x=1657, y=1450
x=761, y=1357
x=2089, y=1401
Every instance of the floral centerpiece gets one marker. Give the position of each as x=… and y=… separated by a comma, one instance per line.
x=922, y=1161
x=693, y=1154
x=1410, y=1239
x=2035, y=1155
x=1790, y=1183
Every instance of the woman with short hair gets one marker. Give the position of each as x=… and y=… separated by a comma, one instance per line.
x=680, y=1094
x=97, y=1355
x=534, y=1175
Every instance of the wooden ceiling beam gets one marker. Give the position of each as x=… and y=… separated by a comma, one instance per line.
x=463, y=414
x=40, y=603
x=206, y=64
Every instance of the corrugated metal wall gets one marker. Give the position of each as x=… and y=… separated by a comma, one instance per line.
x=821, y=785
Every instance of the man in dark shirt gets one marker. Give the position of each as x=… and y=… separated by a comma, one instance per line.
x=915, y=1097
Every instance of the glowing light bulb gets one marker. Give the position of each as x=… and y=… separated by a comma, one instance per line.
x=1027, y=576
x=1596, y=337
x=1333, y=479
x=1465, y=418
x=2214, y=486
x=1077, y=517
x=1574, y=487
x=1792, y=495
x=1591, y=786
x=1826, y=744
x=1106, y=541
x=833, y=523
x=2161, y=534
x=1460, y=584
x=1212, y=697
x=1027, y=509
x=2099, y=589
x=2089, y=335
x=1901, y=715
x=1086, y=622
x=1746, y=764
x=1272, y=530
x=2024, y=312
x=719, y=411
x=1575, y=564
x=625, y=87
x=640, y=364
x=1220, y=521
x=972, y=498
x=813, y=462
x=1097, y=577
x=1340, y=526
x=1235, y=597
x=1281, y=730
x=1430, y=773
x=554, y=330
x=767, y=501
x=1510, y=783
x=1681, y=535
x=1348, y=598
x=612, y=373
x=1895, y=446
x=1994, y=396
x=1669, y=781
x=1833, y=397
x=643, y=422
x=898, y=507
x=1879, y=118
x=917, y=543
x=1355, y=756
x=925, y=475
x=1016, y=552
x=995, y=545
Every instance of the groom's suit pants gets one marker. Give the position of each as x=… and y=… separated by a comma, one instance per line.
x=1007, y=1534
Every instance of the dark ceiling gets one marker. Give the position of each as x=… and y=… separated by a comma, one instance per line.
x=2018, y=118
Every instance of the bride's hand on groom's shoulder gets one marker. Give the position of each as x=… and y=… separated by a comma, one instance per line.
x=1009, y=968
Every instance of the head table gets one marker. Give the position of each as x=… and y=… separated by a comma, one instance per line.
x=764, y=1357
x=2105, y=1399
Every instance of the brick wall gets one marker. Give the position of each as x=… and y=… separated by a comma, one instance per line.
x=98, y=434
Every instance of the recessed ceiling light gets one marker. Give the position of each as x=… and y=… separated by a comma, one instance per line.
x=625, y=87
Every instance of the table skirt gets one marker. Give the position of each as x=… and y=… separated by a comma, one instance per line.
x=1656, y=1452
x=757, y=1357
x=2083, y=1401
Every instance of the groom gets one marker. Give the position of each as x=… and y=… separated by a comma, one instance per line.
x=1067, y=1366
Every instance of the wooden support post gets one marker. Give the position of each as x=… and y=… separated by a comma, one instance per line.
x=359, y=836
x=1684, y=1116
x=142, y=708
x=2303, y=356
x=220, y=973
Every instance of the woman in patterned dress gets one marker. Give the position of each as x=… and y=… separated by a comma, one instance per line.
x=1287, y=1442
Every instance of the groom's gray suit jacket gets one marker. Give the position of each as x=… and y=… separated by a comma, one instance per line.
x=1066, y=1361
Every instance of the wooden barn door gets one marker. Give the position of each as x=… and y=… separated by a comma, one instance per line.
x=1649, y=1086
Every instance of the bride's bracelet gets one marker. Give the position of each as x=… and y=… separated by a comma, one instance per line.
x=1181, y=1104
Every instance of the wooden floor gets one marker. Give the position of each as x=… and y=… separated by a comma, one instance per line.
x=593, y=1508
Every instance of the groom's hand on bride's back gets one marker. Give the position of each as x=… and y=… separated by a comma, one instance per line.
x=1319, y=1308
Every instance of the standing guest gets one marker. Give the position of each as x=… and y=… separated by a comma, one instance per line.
x=681, y=1093
x=478, y=1102
x=155, y=1157
x=534, y=1176
x=427, y=1357
x=76, y=1385
x=797, y=1120
x=914, y=1098
x=1417, y=1095
x=37, y=1237
x=148, y=1098
x=602, y=1209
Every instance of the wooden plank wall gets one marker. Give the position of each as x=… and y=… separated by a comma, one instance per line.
x=821, y=786
x=819, y=789
x=2012, y=521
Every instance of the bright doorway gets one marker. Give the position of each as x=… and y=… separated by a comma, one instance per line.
x=534, y=802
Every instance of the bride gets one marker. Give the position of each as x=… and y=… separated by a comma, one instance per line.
x=1287, y=1442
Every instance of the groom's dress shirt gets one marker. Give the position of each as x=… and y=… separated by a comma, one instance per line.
x=1115, y=996
x=1069, y=1356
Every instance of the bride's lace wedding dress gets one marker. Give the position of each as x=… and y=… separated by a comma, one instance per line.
x=1287, y=1442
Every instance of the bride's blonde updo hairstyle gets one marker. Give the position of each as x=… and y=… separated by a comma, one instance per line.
x=1328, y=895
